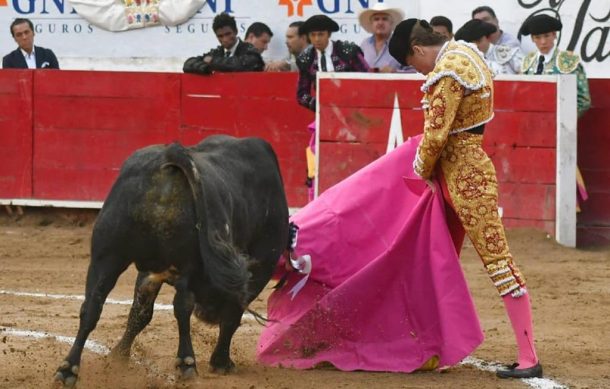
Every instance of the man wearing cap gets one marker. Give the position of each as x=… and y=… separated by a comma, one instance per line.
x=501, y=58
x=548, y=59
x=380, y=21
x=323, y=55
x=457, y=104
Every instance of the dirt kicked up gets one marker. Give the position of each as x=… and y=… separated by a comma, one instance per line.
x=43, y=261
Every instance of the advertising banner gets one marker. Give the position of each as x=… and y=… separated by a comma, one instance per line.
x=79, y=44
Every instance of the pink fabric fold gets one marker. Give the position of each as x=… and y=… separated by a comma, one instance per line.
x=386, y=291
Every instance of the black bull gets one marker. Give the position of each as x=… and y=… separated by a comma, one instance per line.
x=211, y=220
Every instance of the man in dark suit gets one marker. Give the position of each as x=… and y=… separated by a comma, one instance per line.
x=28, y=56
x=233, y=55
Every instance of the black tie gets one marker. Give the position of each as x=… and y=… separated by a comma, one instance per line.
x=323, y=61
x=540, y=67
x=227, y=53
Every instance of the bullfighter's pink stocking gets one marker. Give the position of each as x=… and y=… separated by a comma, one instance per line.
x=520, y=314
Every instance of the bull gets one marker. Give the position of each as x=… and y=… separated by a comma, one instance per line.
x=210, y=220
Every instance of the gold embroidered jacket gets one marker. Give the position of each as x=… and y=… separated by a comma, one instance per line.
x=458, y=96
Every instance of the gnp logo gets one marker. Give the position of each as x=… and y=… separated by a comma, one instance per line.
x=295, y=7
x=42, y=7
x=45, y=7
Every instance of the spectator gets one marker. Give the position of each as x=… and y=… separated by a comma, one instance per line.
x=324, y=55
x=380, y=21
x=259, y=35
x=443, y=26
x=296, y=43
x=502, y=59
x=28, y=56
x=232, y=55
x=548, y=59
x=500, y=37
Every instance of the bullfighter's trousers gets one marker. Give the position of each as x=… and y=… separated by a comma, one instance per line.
x=470, y=188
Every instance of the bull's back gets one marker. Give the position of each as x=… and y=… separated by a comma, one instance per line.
x=151, y=208
x=247, y=169
x=147, y=207
x=244, y=156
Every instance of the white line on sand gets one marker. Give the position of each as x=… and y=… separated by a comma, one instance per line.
x=158, y=307
x=536, y=383
x=90, y=345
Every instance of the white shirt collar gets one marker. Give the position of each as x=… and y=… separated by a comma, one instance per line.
x=327, y=53
x=232, y=49
x=30, y=59
x=549, y=55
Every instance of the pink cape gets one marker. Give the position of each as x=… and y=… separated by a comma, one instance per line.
x=386, y=291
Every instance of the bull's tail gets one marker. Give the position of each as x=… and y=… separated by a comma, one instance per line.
x=223, y=263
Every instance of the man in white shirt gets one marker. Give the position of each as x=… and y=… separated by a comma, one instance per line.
x=501, y=58
x=259, y=35
x=232, y=55
x=500, y=37
x=296, y=44
x=28, y=56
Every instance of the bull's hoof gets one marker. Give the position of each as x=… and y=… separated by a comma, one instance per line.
x=66, y=375
x=187, y=368
x=222, y=368
x=119, y=354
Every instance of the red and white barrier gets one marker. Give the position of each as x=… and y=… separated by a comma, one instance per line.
x=65, y=134
x=532, y=140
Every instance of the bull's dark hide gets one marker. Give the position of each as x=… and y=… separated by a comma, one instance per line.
x=211, y=220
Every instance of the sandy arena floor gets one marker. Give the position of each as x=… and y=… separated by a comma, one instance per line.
x=43, y=252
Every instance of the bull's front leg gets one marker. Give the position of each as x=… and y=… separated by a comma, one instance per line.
x=183, y=308
x=221, y=362
x=101, y=278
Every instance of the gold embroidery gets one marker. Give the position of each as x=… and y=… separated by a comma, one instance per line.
x=471, y=181
x=459, y=95
x=567, y=62
x=528, y=63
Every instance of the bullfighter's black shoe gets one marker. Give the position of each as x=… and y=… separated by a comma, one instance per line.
x=512, y=371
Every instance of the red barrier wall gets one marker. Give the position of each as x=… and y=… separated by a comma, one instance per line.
x=355, y=117
x=594, y=163
x=254, y=104
x=86, y=124
x=16, y=134
x=65, y=134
